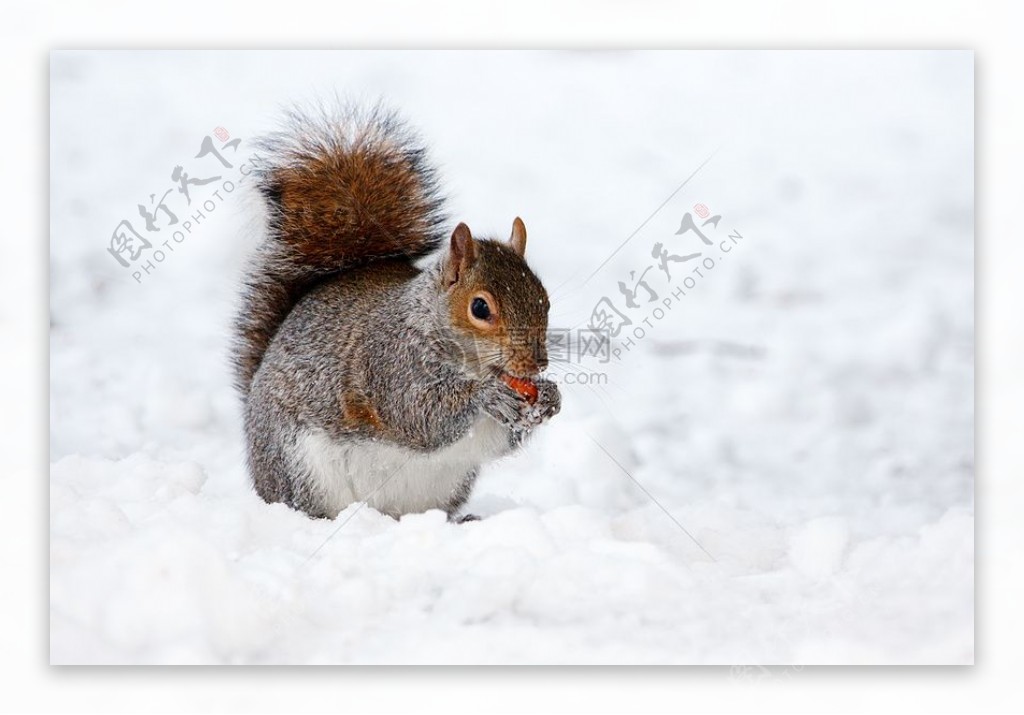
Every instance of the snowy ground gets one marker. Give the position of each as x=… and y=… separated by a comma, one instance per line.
x=805, y=411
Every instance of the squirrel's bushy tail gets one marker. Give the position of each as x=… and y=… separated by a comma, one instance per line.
x=342, y=189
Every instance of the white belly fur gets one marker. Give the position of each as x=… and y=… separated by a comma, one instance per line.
x=393, y=479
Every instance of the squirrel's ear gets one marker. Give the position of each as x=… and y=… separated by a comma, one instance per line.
x=518, y=239
x=461, y=255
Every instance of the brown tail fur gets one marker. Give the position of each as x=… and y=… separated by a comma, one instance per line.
x=343, y=189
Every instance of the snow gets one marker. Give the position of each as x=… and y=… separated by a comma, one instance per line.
x=804, y=412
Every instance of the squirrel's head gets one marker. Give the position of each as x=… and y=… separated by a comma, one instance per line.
x=498, y=307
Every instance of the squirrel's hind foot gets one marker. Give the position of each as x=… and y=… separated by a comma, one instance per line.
x=462, y=518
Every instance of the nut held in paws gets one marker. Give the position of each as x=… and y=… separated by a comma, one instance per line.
x=524, y=387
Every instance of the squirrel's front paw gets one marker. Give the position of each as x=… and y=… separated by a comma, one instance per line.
x=517, y=413
x=546, y=406
x=503, y=404
x=549, y=399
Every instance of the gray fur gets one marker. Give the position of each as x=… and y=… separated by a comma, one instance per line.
x=381, y=332
x=357, y=386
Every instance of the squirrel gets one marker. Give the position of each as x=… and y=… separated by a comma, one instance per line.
x=364, y=377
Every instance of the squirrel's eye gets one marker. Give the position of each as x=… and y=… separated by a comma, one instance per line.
x=480, y=309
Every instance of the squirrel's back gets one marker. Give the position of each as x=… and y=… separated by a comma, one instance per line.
x=342, y=189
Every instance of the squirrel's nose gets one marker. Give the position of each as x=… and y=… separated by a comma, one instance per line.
x=527, y=365
x=541, y=361
x=540, y=354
